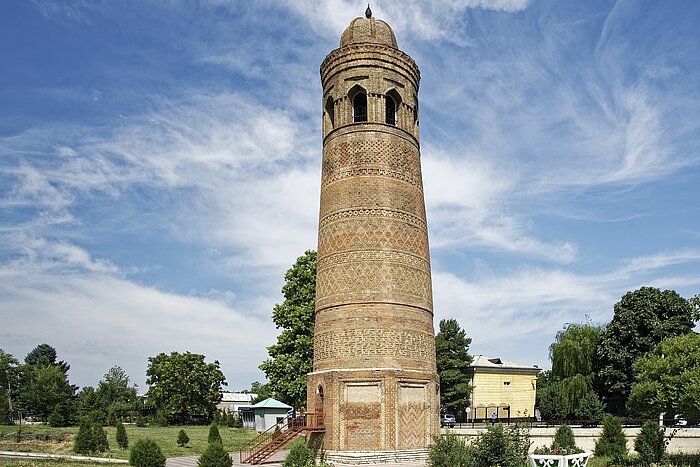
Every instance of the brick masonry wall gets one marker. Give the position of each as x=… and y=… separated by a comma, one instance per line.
x=374, y=375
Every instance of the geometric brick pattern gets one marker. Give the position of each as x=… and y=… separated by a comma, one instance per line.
x=372, y=233
x=372, y=343
x=373, y=282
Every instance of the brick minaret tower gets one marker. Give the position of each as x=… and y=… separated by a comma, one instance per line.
x=374, y=377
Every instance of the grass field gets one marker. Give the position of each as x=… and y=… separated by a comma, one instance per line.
x=166, y=437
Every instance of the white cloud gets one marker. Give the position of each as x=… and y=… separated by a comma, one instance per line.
x=96, y=319
x=530, y=304
x=468, y=205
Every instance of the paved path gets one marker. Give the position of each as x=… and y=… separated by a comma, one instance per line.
x=275, y=461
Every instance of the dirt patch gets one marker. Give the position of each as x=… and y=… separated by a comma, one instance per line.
x=51, y=443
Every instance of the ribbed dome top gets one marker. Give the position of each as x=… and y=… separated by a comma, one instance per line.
x=368, y=31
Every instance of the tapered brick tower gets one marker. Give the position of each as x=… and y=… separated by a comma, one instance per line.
x=374, y=377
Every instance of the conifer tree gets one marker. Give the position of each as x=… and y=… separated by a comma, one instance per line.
x=182, y=438
x=214, y=435
x=122, y=439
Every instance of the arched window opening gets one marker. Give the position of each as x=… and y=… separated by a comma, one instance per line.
x=392, y=105
x=330, y=110
x=359, y=107
x=390, y=110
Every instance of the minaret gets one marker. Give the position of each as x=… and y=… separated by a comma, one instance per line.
x=374, y=377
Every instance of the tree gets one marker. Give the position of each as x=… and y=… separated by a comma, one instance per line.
x=501, y=447
x=45, y=389
x=100, y=437
x=453, y=360
x=9, y=381
x=641, y=320
x=122, y=438
x=564, y=438
x=261, y=390
x=291, y=358
x=572, y=355
x=184, y=384
x=84, y=442
x=146, y=453
x=214, y=435
x=590, y=409
x=114, y=394
x=612, y=442
x=650, y=443
x=574, y=350
x=182, y=438
x=44, y=354
x=667, y=379
x=215, y=456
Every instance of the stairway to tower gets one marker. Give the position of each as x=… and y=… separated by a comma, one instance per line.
x=276, y=438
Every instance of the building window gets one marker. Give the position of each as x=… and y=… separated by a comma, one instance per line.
x=390, y=110
x=330, y=110
x=359, y=107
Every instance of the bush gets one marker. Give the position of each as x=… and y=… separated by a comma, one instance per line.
x=612, y=443
x=84, y=441
x=214, y=435
x=449, y=451
x=497, y=446
x=56, y=419
x=650, y=443
x=146, y=453
x=122, y=439
x=564, y=439
x=300, y=455
x=100, y=439
x=182, y=438
x=590, y=408
x=141, y=421
x=215, y=456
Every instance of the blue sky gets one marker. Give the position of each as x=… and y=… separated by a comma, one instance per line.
x=160, y=167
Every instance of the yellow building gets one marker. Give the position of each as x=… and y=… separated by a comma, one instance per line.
x=501, y=387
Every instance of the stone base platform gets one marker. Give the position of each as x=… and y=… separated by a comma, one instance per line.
x=404, y=458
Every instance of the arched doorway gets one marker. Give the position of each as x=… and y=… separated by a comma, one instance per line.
x=319, y=406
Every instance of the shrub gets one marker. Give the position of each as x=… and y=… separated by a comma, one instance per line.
x=590, y=408
x=612, y=442
x=214, y=435
x=564, y=439
x=650, y=443
x=300, y=455
x=122, y=439
x=449, y=451
x=84, y=441
x=140, y=421
x=497, y=446
x=146, y=453
x=237, y=422
x=182, y=438
x=100, y=439
x=56, y=419
x=215, y=456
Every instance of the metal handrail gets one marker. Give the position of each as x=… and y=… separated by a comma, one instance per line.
x=295, y=424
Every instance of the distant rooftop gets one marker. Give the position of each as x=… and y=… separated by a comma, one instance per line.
x=271, y=403
x=237, y=397
x=481, y=361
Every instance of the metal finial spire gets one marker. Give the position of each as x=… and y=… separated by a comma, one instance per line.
x=368, y=12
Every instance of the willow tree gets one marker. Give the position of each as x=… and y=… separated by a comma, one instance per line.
x=573, y=355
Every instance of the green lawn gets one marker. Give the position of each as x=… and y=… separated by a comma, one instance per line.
x=166, y=437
